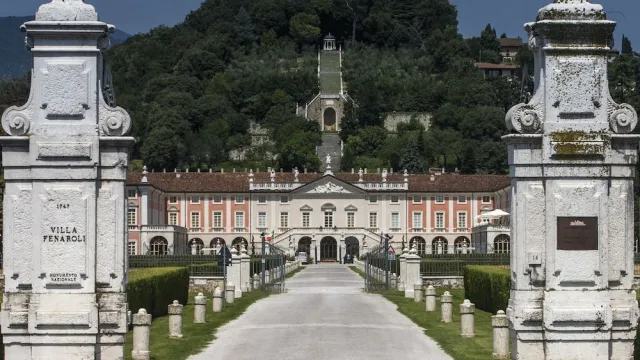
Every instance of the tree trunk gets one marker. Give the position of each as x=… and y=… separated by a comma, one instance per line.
x=353, y=27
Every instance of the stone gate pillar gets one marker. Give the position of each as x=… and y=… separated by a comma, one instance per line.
x=65, y=163
x=572, y=170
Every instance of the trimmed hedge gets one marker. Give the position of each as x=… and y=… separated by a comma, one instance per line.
x=487, y=287
x=156, y=288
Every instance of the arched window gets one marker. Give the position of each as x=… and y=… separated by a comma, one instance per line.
x=238, y=242
x=159, y=246
x=199, y=245
x=439, y=245
x=352, y=246
x=421, y=244
x=330, y=120
x=216, y=242
x=304, y=245
x=461, y=245
x=502, y=244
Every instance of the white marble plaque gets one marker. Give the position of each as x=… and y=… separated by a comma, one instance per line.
x=65, y=93
x=64, y=236
x=574, y=91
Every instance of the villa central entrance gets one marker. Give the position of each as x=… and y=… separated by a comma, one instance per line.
x=328, y=249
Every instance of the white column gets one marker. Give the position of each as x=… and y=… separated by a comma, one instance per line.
x=228, y=215
x=144, y=207
x=207, y=214
x=451, y=216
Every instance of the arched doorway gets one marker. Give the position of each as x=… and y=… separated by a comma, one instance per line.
x=199, y=245
x=439, y=245
x=501, y=244
x=462, y=245
x=352, y=246
x=328, y=249
x=158, y=246
x=216, y=242
x=238, y=242
x=304, y=245
x=330, y=120
x=421, y=244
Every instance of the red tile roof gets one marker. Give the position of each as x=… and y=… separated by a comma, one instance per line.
x=482, y=65
x=239, y=182
x=511, y=42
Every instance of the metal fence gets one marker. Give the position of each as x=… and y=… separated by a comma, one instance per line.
x=274, y=260
x=379, y=267
x=199, y=265
x=453, y=264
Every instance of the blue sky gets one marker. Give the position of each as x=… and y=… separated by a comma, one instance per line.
x=508, y=16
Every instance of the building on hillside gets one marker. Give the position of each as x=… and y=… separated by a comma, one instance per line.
x=326, y=215
x=327, y=107
x=489, y=69
x=509, y=48
x=393, y=119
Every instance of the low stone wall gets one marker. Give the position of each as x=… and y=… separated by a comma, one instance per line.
x=439, y=281
x=205, y=284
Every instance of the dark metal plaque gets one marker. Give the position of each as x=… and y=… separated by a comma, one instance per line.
x=577, y=233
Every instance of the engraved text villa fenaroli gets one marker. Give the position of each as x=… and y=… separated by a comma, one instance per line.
x=65, y=163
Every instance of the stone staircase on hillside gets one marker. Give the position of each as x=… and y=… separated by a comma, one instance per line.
x=330, y=72
x=331, y=144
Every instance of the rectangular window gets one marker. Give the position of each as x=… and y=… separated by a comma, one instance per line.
x=373, y=220
x=173, y=219
x=284, y=199
x=417, y=220
x=239, y=199
x=462, y=199
x=262, y=219
x=131, y=194
x=217, y=219
x=132, y=218
x=439, y=220
x=305, y=219
x=417, y=200
x=486, y=199
x=262, y=199
x=462, y=220
x=173, y=199
x=439, y=199
x=351, y=220
x=328, y=219
x=395, y=199
x=373, y=199
x=195, y=219
x=195, y=200
x=239, y=219
x=284, y=219
x=395, y=220
x=217, y=199
x=132, y=247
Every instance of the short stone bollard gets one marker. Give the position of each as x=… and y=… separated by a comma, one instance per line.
x=256, y=281
x=129, y=318
x=230, y=293
x=400, y=284
x=446, y=307
x=200, y=309
x=393, y=280
x=417, y=292
x=175, y=320
x=141, y=331
x=267, y=279
x=431, y=298
x=217, y=300
x=467, y=320
x=500, y=324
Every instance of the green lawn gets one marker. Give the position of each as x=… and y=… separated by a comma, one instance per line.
x=294, y=272
x=196, y=336
x=447, y=336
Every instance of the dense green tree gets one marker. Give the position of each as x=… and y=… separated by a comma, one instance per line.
x=626, y=45
x=412, y=159
x=304, y=28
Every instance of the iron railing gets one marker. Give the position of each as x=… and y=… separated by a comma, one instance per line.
x=379, y=269
x=453, y=264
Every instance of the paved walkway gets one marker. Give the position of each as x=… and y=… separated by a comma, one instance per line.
x=323, y=316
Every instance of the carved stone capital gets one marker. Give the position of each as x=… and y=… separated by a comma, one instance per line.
x=525, y=119
x=622, y=118
x=114, y=121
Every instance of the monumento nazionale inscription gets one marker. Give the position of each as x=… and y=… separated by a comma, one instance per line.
x=577, y=233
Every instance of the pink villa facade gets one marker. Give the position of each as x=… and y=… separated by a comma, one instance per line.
x=326, y=215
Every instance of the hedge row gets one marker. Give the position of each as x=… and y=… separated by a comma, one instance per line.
x=156, y=288
x=487, y=287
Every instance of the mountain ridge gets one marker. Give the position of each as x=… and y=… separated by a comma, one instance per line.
x=16, y=59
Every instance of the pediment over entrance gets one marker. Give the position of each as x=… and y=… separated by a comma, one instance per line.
x=329, y=184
